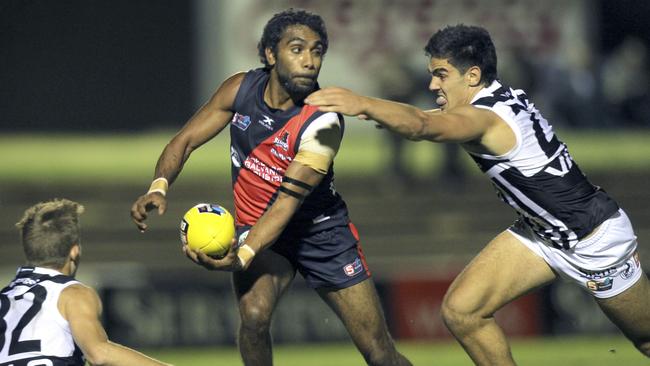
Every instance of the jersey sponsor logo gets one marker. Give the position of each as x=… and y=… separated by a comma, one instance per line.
x=354, y=268
x=283, y=141
x=267, y=122
x=280, y=155
x=631, y=266
x=23, y=281
x=240, y=121
x=269, y=174
x=596, y=275
x=629, y=270
x=565, y=163
x=603, y=285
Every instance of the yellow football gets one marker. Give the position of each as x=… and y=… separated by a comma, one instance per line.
x=208, y=228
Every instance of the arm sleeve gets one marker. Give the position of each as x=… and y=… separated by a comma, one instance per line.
x=320, y=142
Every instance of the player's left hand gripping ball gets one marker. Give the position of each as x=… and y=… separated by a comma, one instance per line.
x=208, y=228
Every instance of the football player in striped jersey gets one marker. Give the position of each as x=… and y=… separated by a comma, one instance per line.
x=566, y=226
x=46, y=316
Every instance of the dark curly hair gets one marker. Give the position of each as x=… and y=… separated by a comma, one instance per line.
x=465, y=46
x=275, y=28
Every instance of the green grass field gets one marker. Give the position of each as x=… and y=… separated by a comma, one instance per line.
x=575, y=351
x=130, y=158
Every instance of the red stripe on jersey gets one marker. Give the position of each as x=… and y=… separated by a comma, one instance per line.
x=261, y=173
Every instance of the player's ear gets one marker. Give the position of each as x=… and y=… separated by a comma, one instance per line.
x=74, y=257
x=473, y=76
x=75, y=253
x=270, y=56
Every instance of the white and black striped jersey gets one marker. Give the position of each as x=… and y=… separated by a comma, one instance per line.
x=538, y=177
x=32, y=330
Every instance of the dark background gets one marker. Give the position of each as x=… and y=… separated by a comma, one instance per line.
x=94, y=65
x=81, y=65
x=618, y=19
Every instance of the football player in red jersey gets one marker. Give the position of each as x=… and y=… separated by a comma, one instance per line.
x=289, y=217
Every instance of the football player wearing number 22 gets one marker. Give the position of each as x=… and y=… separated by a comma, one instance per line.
x=47, y=317
x=288, y=215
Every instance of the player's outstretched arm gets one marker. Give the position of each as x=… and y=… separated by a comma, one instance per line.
x=81, y=307
x=461, y=124
x=206, y=123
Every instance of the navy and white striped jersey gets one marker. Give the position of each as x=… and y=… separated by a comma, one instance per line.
x=32, y=331
x=538, y=177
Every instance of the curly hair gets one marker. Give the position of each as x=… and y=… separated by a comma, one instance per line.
x=49, y=230
x=274, y=29
x=465, y=46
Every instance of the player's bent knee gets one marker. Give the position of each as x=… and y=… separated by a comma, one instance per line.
x=458, y=318
x=451, y=317
x=255, y=316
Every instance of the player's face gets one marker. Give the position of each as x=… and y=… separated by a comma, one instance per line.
x=452, y=88
x=298, y=60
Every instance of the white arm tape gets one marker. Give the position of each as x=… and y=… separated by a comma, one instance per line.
x=247, y=255
x=159, y=185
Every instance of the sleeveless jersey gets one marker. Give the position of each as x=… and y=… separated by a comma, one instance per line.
x=538, y=177
x=32, y=331
x=264, y=142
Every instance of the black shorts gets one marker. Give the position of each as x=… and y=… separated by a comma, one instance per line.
x=330, y=258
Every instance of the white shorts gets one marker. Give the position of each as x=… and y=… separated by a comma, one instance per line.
x=605, y=264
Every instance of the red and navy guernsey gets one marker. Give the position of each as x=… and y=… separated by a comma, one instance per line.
x=264, y=142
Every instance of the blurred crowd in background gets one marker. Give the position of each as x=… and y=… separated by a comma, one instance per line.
x=131, y=65
x=109, y=66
